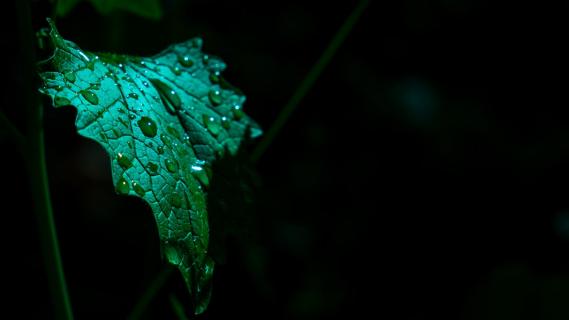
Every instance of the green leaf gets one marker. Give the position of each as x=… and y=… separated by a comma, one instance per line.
x=163, y=120
x=150, y=9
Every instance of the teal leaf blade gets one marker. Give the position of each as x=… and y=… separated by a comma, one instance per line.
x=163, y=120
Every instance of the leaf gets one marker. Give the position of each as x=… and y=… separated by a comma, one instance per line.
x=150, y=9
x=163, y=120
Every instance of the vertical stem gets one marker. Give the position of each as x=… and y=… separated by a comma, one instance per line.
x=309, y=81
x=34, y=154
x=150, y=292
x=37, y=171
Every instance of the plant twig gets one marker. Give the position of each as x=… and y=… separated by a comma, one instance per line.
x=34, y=157
x=309, y=81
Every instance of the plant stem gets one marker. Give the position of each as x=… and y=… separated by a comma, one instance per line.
x=309, y=80
x=37, y=170
x=150, y=292
x=178, y=307
x=34, y=155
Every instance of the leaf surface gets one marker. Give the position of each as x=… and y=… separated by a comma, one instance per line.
x=163, y=120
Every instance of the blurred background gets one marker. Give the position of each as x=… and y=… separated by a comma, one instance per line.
x=424, y=176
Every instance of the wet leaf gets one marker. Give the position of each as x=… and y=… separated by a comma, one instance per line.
x=160, y=125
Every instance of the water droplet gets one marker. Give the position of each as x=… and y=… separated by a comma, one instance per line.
x=133, y=95
x=121, y=66
x=176, y=70
x=171, y=165
x=165, y=140
x=96, y=86
x=214, y=77
x=212, y=125
x=129, y=143
x=131, y=116
x=144, y=83
x=70, y=76
x=160, y=149
x=58, y=87
x=59, y=101
x=138, y=189
x=225, y=122
x=215, y=97
x=90, y=96
x=176, y=200
x=185, y=61
x=122, y=186
x=237, y=111
x=200, y=173
x=147, y=126
x=169, y=97
x=205, y=59
x=152, y=168
x=123, y=161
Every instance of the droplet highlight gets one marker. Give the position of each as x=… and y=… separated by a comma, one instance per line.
x=122, y=186
x=171, y=165
x=185, y=61
x=212, y=125
x=90, y=96
x=169, y=97
x=147, y=126
x=138, y=189
x=123, y=161
x=215, y=97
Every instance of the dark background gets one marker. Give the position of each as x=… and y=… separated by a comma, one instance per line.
x=425, y=176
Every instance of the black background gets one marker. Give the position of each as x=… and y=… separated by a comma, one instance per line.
x=425, y=176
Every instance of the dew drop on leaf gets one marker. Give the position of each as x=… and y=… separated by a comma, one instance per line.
x=122, y=186
x=237, y=111
x=152, y=168
x=165, y=140
x=200, y=173
x=133, y=95
x=90, y=96
x=147, y=126
x=214, y=77
x=215, y=97
x=185, y=61
x=225, y=123
x=212, y=125
x=138, y=188
x=61, y=101
x=171, y=165
x=123, y=161
x=169, y=96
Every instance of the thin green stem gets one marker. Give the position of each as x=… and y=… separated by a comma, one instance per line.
x=178, y=307
x=37, y=170
x=309, y=80
x=150, y=292
x=34, y=155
